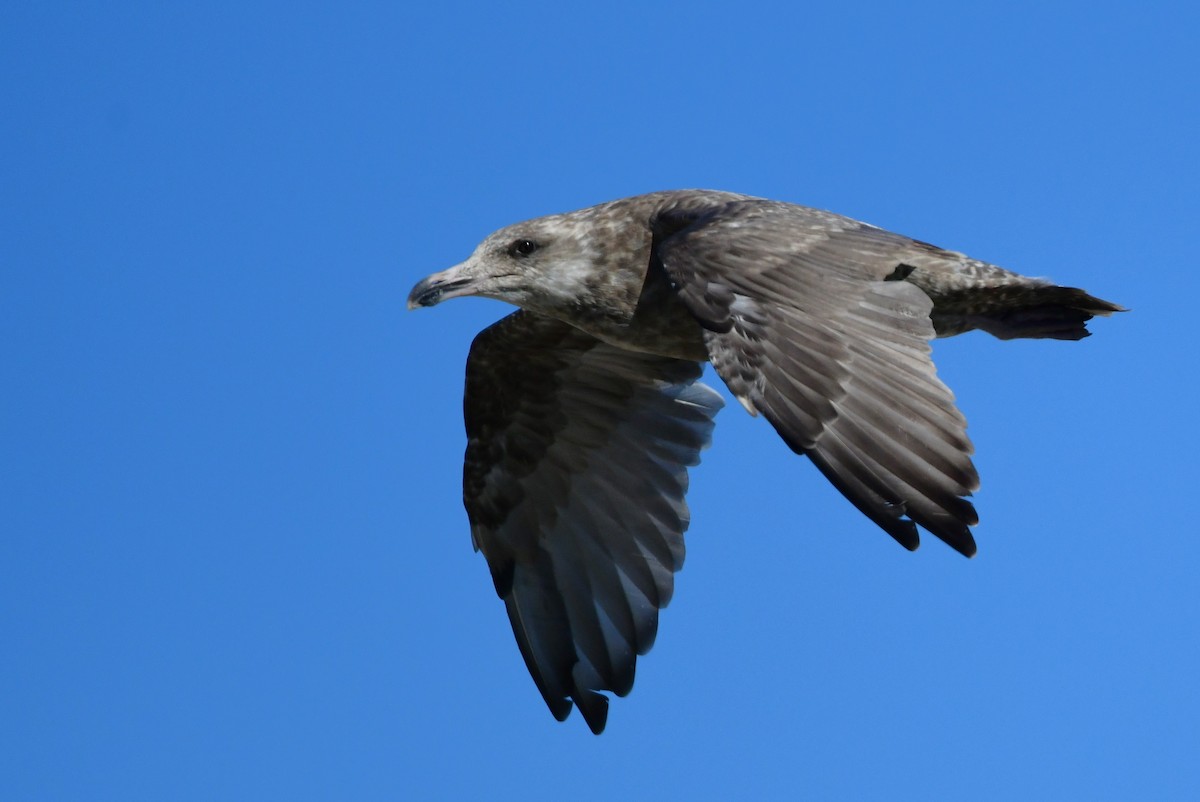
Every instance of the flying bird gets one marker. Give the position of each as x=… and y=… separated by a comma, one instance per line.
x=584, y=408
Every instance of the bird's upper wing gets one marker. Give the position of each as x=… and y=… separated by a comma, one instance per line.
x=576, y=469
x=804, y=325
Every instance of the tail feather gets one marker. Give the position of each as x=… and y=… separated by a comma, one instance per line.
x=1039, y=311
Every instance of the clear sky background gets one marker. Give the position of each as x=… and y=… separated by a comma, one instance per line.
x=234, y=562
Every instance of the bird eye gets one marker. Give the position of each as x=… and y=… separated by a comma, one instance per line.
x=522, y=247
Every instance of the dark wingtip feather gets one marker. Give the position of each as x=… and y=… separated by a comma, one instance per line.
x=594, y=707
x=559, y=708
x=959, y=539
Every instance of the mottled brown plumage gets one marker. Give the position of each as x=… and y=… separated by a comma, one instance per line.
x=584, y=411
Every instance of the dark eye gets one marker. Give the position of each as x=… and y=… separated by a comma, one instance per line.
x=522, y=247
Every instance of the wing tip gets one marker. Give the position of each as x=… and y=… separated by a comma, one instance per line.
x=903, y=531
x=961, y=540
x=593, y=707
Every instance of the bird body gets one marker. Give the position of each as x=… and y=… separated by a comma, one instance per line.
x=584, y=412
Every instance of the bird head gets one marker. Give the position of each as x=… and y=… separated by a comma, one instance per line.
x=548, y=265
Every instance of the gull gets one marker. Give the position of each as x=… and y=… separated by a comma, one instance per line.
x=584, y=409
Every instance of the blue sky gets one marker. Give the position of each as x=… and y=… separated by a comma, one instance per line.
x=233, y=558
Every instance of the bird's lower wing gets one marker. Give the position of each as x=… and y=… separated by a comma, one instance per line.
x=804, y=325
x=574, y=482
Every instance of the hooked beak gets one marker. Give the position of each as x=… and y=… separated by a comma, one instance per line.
x=434, y=289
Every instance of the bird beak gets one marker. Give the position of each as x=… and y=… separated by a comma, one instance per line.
x=434, y=289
